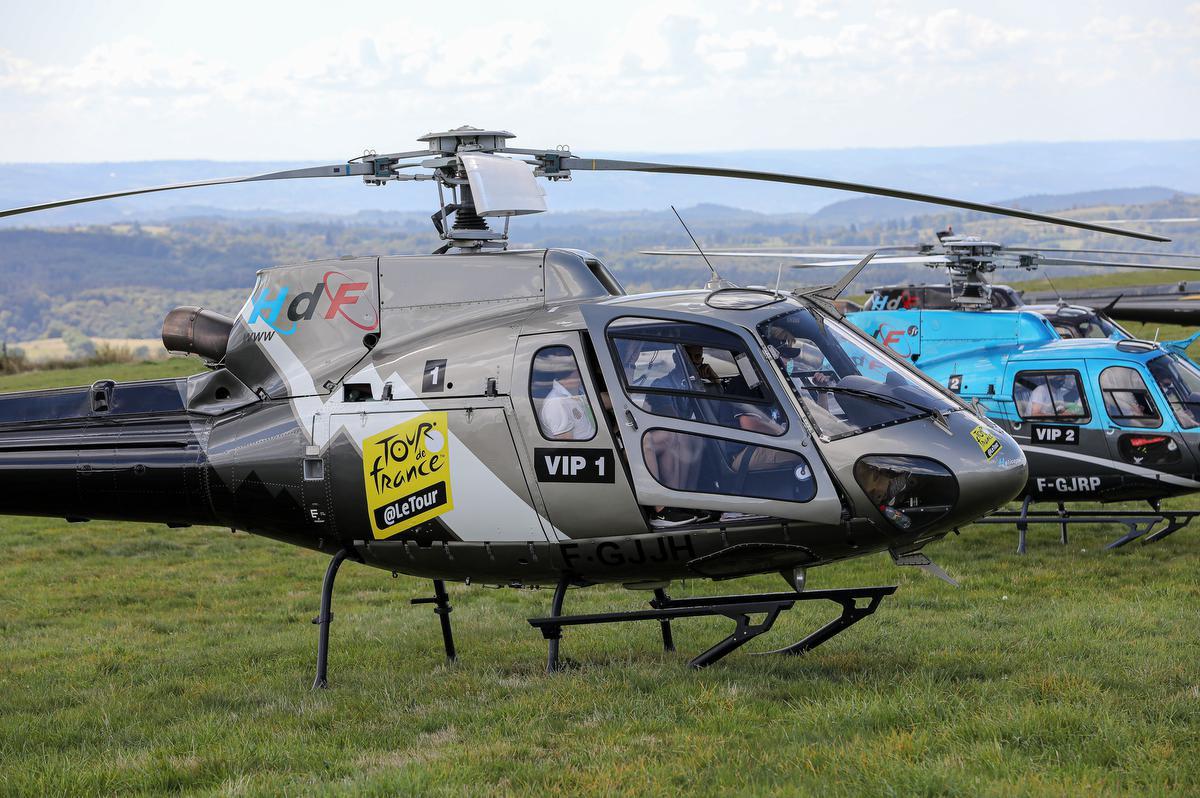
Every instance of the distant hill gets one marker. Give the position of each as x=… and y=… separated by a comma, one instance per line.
x=986, y=173
x=868, y=210
x=119, y=281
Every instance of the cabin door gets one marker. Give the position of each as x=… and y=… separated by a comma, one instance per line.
x=568, y=438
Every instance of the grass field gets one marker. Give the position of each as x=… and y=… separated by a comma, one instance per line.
x=143, y=660
x=52, y=378
x=56, y=348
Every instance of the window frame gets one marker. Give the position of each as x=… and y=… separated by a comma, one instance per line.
x=537, y=416
x=1104, y=393
x=1046, y=374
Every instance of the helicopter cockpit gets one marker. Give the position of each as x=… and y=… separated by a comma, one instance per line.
x=846, y=386
x=734, y=408
x=1179, y=380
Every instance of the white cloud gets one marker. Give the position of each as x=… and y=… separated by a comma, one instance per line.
x=628, y=75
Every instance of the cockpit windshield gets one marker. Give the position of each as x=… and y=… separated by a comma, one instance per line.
x=846, y=384
x=1070, y=322
x=1179, y=382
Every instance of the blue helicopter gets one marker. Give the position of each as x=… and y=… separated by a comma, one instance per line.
x=1100, y=415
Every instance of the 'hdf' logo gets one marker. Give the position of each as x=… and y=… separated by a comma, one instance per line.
x=304, y=305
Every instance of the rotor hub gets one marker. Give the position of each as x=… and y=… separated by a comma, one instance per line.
x=468, y=139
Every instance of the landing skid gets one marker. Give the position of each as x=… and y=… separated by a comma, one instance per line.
x=738, y=609
x=664, y=609
x=1137, y=524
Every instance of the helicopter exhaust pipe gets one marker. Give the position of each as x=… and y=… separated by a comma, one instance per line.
x=191, y=330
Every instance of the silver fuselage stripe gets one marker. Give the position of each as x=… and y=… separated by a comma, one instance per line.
x=1148, y=473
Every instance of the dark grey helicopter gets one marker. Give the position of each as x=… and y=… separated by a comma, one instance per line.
x=515, y=418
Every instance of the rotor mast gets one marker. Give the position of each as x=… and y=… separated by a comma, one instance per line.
x=468, y=230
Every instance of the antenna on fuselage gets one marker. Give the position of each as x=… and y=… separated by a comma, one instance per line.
x=1054, y=288
x=717, y=280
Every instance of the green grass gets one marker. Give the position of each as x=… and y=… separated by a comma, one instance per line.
x=146, y=370
x=1103, y=278
x=142, y=660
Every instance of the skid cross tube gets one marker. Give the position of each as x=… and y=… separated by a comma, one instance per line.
x=442, y=607
x=851, y=614
x=736, y=608
x=553, y=633
x=661, y=599
x=325, y=617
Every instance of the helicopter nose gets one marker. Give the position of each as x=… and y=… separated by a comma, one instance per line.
x=991, y=468
x=952, y=474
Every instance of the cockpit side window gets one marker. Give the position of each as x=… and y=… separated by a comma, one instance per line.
x=560, y=401
x=1065, y=331
x=1126, y=398
x=1179, y=382
x=693, y=372
x=1050, y=395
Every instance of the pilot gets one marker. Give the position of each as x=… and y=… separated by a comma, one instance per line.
x=797, y=354
x=565, y=413
x=704, y=372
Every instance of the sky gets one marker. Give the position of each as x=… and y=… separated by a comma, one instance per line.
x=131, y=80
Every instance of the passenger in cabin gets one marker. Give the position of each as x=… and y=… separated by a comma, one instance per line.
x=565, y=413
x=1039, y=404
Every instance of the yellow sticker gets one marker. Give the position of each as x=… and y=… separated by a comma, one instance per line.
x=407, y=473
x=987, y=442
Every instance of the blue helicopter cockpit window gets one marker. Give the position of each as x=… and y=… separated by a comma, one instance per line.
x=1050, y=395
x=846, y=383
x=1126, y=398
x=1179, y=382
x=694, y=372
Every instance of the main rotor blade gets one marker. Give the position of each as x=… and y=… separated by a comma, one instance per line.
x=932, y=260
x=604, y=164
x=1176, y=220
x=1103, y=252
x=1076, y=262
x=333, y=170
x=836, y=252
x=735, y=254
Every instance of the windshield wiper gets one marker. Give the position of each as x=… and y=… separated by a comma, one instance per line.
x=887, y=400
x=891, y=400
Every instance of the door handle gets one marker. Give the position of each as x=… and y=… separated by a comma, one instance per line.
x=630, y=421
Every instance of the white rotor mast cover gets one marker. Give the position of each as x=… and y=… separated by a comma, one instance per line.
x=502, y=186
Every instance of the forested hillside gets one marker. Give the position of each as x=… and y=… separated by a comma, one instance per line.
x=120, y=280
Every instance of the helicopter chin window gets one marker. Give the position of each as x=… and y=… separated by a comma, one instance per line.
x=910, y=492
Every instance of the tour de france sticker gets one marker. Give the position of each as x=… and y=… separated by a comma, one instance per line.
x=987, y=442
x=407, y=473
